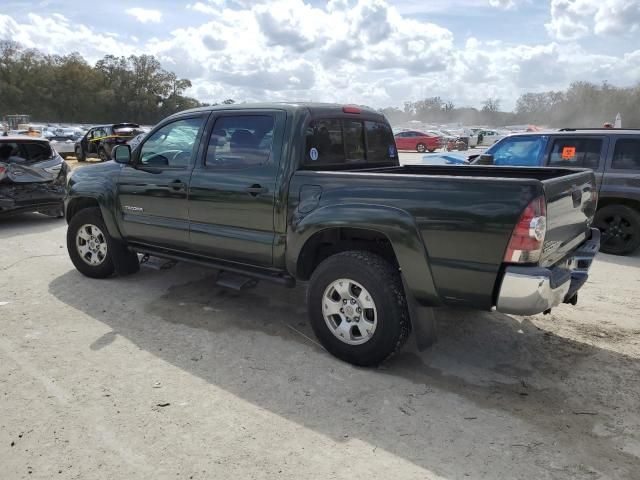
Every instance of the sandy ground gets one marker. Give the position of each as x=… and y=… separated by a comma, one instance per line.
x=164, y=375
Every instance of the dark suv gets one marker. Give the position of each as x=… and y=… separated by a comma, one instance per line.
x=613, y=154
x=100, y=140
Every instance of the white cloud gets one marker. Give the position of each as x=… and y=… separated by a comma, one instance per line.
x=504, y=4
x=362, y=51
x=145, y=15
x=575, y=19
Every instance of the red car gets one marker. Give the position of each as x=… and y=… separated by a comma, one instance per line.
x=420, y=141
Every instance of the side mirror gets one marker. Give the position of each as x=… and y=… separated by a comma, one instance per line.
x=122, y=154
x=484, y=159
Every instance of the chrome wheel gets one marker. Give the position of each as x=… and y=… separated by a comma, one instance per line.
x=91, y=244
x=349, y=311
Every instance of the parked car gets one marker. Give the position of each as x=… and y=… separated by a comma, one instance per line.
x=100, y=140
x=419, y=141
x=64, y=145
x=315, y=193
x=32, y=176
x=489, y=137
x=614, y=155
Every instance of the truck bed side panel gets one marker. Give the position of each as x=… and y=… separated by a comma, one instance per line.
x=465, y=223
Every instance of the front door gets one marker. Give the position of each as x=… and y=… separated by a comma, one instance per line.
x=152, y=192
x=233, y=190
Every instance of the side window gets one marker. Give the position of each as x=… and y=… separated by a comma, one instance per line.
x=324, y=143
x=380, y=142
x=626, y=155
x=240, y=141
x=519, y=151
x=172, y=145
x=575, y=152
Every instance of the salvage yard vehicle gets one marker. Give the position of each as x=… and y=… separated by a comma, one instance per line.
x=614, y=155
x=418, y=141
x=315, y=193
x=100, y=140
x=32, y=177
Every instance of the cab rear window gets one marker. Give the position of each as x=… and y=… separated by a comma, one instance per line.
x=336, y=142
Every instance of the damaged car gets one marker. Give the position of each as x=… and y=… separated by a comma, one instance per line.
x=32, y=177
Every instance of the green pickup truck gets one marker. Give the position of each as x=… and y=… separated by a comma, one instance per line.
x=315, y=193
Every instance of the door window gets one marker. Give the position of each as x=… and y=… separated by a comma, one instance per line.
x=575, y=152
x=173, y=145
x=240, y=141
x=626, y=155
x=519, y=151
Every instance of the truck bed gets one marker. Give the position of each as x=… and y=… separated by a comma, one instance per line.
x=465, y=214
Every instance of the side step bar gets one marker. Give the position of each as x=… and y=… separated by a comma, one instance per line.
x=254, y=273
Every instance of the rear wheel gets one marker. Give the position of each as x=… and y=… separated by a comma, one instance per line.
x=620, y=227
x=357, y=307
x=421, y=147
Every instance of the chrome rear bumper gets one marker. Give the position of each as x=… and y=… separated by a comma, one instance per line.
x=532, y=290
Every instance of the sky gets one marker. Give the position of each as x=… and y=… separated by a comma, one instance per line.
x=371, y=52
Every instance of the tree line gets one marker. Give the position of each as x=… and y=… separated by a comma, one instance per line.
x=583, y=104
x=66, y=88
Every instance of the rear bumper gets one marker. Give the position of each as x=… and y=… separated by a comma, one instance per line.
x=532, y=290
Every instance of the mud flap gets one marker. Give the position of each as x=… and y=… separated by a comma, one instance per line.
x=423, y=321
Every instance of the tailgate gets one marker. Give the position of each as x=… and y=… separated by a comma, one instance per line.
x=571, y=205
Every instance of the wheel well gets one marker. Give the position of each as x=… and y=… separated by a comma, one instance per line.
x=335, y=240
x=77, y=204
x=605, y=202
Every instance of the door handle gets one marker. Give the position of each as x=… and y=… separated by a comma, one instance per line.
x=255, y=190
x=177, y=185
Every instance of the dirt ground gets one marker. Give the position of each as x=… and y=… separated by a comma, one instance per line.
x=164, y=375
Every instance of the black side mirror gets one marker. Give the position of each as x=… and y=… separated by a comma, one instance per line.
x=122, y=154
x=484, y=159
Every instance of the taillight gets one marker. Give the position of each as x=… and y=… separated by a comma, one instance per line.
x=525, y=245
x=2, y=170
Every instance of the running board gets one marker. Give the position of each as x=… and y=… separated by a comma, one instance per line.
x=235, y=281
x=252, y=272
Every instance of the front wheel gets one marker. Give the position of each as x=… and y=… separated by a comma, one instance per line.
x=620, y=227
x=102, y=154
x=357, y=307
x=88, y=244
x=80, y=156
x=421, y=147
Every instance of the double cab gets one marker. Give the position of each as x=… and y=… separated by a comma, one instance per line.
x=315, y=194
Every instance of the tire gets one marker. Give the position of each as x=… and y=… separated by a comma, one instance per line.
x=89, y=220
x=102, y=155
x=620, y=227
x=365, y=273
x=80, y=156
x=421, y=147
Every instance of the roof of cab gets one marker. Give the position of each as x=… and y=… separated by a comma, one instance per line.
x=312, y=107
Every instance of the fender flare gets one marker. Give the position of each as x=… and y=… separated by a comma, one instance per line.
x=396, y=224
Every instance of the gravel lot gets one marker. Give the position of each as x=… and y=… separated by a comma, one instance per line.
x=164, y=375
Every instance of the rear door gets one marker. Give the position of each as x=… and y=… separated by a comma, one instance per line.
x=152, y=192
x=233, y=189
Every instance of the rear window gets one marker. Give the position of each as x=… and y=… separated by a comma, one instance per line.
x=575, y=152
x=335, y=142
x=25, y=152
x=626, y=155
